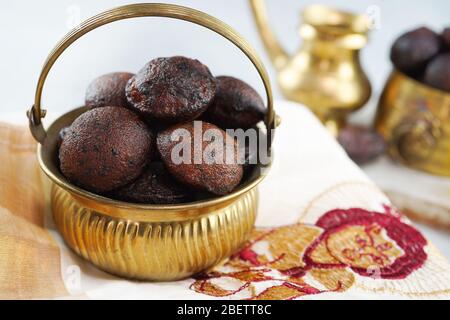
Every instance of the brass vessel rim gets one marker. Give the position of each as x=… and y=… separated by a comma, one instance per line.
x=63, y=183
x=421, y=84
x=322, y=16
x=148, y=10
x=351, y=41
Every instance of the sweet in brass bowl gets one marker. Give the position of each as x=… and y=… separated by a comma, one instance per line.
x=415, y=120
x=147, y=242
x=156, y=242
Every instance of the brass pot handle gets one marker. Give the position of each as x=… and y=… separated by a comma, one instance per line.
x=35, y=114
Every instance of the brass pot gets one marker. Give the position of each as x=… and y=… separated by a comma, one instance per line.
x=415, y=120
x=149, y=242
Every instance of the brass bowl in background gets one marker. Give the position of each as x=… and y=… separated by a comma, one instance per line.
x=415, y=119
x=148, y=242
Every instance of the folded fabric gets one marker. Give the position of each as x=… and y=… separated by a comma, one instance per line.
x=324, y=230
x=426, y=200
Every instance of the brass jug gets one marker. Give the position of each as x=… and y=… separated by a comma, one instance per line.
x=325, y=74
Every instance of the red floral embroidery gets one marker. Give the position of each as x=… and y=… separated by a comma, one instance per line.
x=406, y=237
x=371, y=244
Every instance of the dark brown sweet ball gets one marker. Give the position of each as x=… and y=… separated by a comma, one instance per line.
x=446, y=38
x=236, y=105
x=171, y=90
x=106, y=148
x=108, y=90
x=154, y=186
x=413, y=50
x=437, y=73
x=208, y=163
x=361, y=144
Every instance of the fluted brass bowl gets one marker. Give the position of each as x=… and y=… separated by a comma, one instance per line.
x=148, y=242
x=415, y=120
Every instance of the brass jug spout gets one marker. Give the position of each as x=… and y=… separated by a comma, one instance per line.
x=277, y=54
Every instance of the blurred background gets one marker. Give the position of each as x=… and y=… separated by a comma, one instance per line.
x=30, y=29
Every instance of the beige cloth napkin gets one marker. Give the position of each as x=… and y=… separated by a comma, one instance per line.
x=324, y=230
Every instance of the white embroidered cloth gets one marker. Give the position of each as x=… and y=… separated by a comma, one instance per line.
x=324, y=230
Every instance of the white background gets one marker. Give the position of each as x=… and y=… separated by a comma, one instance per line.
x=30, y=29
